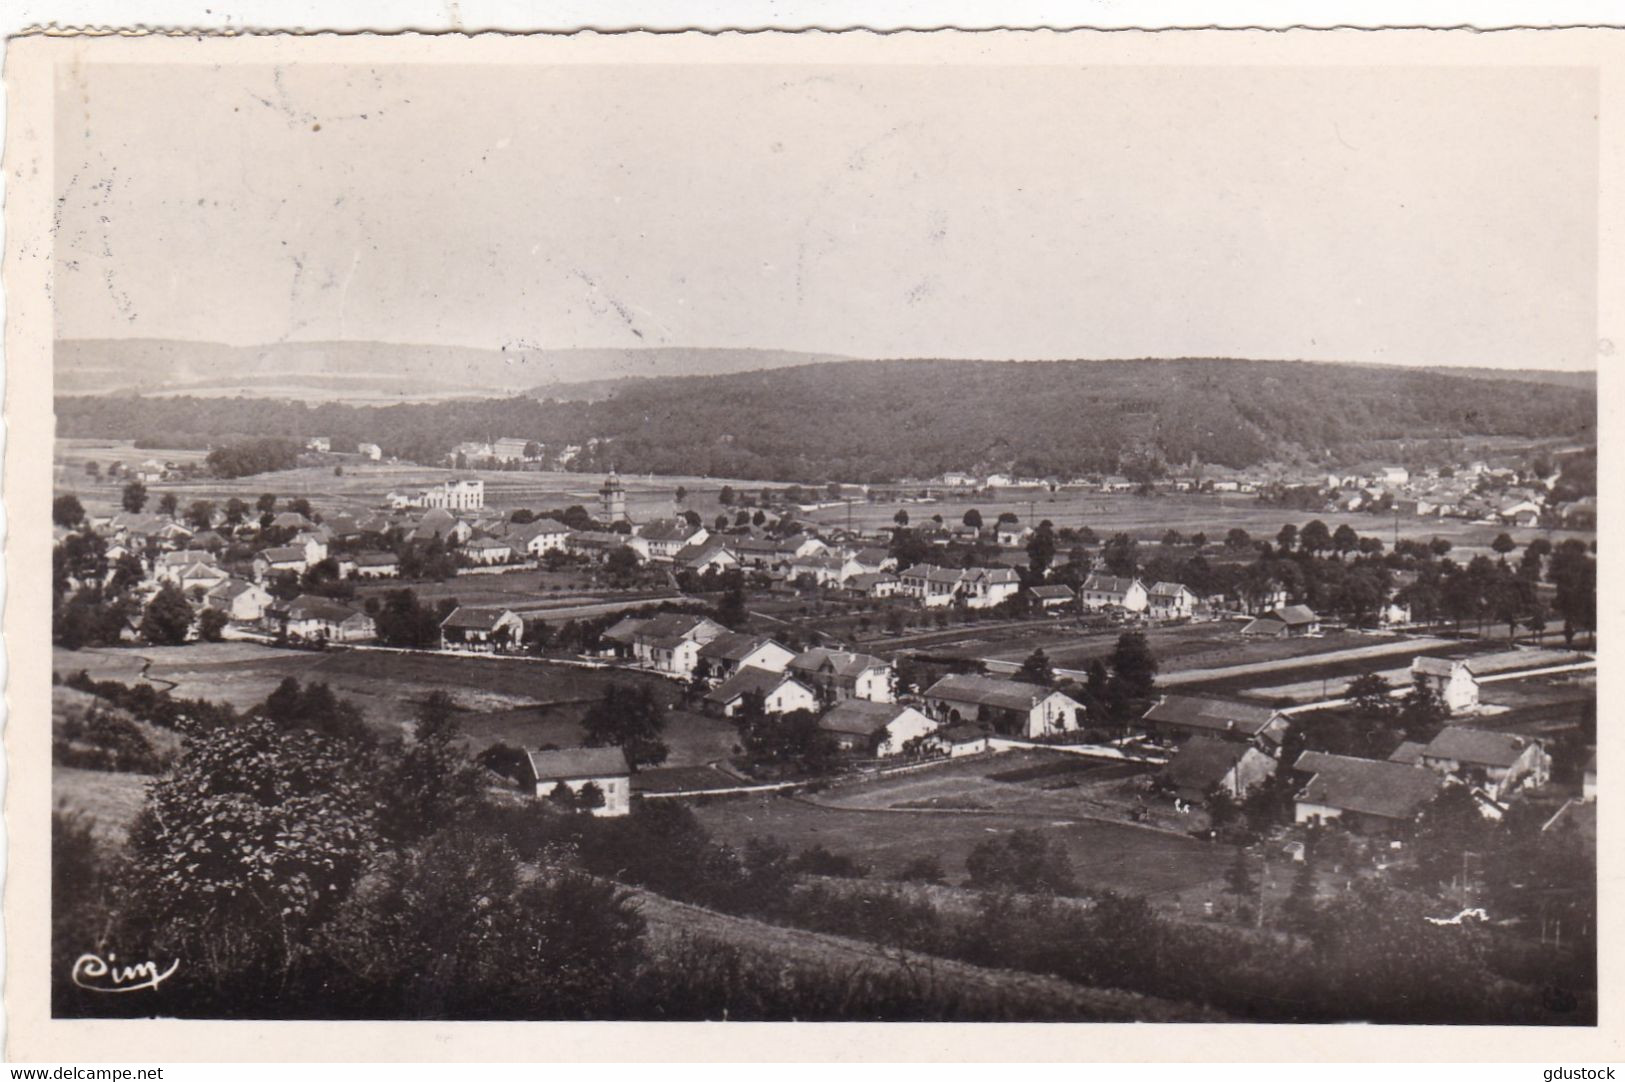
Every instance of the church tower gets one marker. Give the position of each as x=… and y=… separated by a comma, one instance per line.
x=612, y=500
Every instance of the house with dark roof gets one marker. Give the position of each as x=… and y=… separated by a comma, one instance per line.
x=1287, y=621
x=972, y=587
x=279, y=559
x=880, y=729
x=1371, y=796
x=376, y=565
x=844, y=674
x=1010, y=707
x=875, y=584
x=727, y=654
x=1177, y=718
x=243, y=602
x=1451, y=679
x=470, y=628
x=1207, y=764
x=1171, y=601
x=670, y=642
x=1055, y=596
x=539, y=537
x=1499, y=763
x=604, y=768
x=312, y=618
x=711, y=555
x=1112, y=591
x=485, y=551
x=781, y=693
x=664, y=538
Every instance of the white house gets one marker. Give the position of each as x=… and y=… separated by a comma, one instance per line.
x=1106, y=591
x=843, y=674
x=376, y=565
x=575, y=768
x=879, y=729
x=662, y=539
x=1010, y=706
x=242, y=602
x=276, y=561
x=486, y=551
x=540, y=537
x=727, y=654
x=313, y=618
x=370, y=450
x=1012, y=534
x=1499, y=763
x=1452, y=680
x=481, y=628
x=781, y=693
x=465, y=494
x=1171, y=601
x=670, y=643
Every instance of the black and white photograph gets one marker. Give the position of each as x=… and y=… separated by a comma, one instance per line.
x=683, y=540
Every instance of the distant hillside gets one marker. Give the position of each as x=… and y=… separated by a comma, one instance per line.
x=885, y=420
x=1584, y=380
x=372, y=371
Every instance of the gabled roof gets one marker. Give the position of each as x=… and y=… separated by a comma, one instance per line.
x=573, y=764
x=1057, y=590
x=291, y=520
x=376, y=559
x=1215, y=715
x=1293, y=615
x=1203, y=761
x=1109, y=584
x=315, y=607
x=467, y=619
x=525, y=532
x=284, y=554
x=751, y=679
x=677, y=625
x=860, y=717
x=840, y=662
x=870, y=578
x=668, y=529
x=486, y=543
x=1369, y=786
x=988, y=691
x=1409, y=752
x=736, y=646
x=1169, y=589
x=624, y=630
x=1437, y=666
x=1476, y=747
x=232, y=589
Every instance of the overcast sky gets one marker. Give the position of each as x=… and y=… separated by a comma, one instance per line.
x=1434, y=216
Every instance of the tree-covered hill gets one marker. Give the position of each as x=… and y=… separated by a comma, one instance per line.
x=885, y=420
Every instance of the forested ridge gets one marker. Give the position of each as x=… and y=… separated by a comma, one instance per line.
x=886, y=420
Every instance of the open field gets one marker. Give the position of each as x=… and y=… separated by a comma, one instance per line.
x=1330, y=680
x=519, y=700
x=869, y=822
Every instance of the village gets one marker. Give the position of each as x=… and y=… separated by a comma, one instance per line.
x=910, y=663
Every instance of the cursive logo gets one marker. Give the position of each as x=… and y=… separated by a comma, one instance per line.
x=96, y=974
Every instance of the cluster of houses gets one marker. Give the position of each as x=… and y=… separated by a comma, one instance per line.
x=1223, y=746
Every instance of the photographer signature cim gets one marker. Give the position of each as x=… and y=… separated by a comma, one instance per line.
x=95, y=974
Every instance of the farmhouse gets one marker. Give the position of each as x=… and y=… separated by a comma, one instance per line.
x=485, y=551
x=842, y=674
x=670, y=642
x=321, y=619
x=1110, y=591
x=1058, y=596
x=171, y=565
x=1011, y=707
x=1500, y=763
x=1204, y=764
x=200, y=577
x=242, y=602
x=824, y=568
x=275, y=561
x=1011, y=534
x=972, y=587
x=1171, y=601
x=1367, y=795
x=594, y=544
x=954, y=741
x=604, y=768
x=440, y=524
x=1452, y=681
x=1287, y=621
x=781, y=693
x=376, y=565
x=875, y=584
x=662, y=539
x=537, y=538
x=727, y=654
x=711, y=555
x=879, y=729
x=1177, y=718
x=481, y=628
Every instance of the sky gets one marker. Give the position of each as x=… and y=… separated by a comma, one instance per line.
x=1399, y=215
